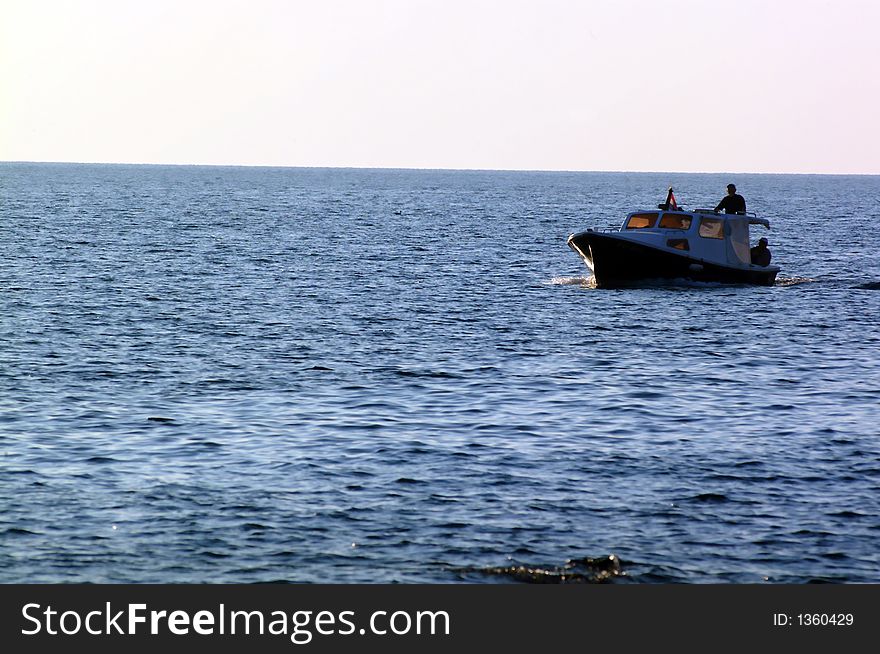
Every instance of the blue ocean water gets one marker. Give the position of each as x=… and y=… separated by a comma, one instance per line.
x=216, y=374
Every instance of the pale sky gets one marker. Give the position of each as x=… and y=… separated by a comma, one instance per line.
x=635, y=85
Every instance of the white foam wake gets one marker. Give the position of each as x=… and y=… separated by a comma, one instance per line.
x=572, y=281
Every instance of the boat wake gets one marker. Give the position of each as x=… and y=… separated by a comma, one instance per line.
x=792, y=281
x=588, y=281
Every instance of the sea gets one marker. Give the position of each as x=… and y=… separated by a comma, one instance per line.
x=243, y=374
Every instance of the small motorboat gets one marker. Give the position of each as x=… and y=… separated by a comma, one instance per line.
x=670, y=243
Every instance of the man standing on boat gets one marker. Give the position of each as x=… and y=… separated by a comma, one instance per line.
x=733, y=202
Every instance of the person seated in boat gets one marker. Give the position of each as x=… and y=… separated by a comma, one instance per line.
x=733, y=202
x=761, y=253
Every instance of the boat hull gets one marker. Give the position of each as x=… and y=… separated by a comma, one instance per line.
x=617, y=261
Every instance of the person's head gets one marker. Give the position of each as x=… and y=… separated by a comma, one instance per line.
x=762, y=242
x=731, y=189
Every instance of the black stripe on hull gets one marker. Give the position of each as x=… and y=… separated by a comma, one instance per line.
x=620, y=262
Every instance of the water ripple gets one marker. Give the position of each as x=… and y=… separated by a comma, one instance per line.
x=305, y=375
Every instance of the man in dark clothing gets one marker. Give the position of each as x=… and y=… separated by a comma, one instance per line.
x=733, y=202
x=760, y=253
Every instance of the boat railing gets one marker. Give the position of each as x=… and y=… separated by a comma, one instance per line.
x=750, y=214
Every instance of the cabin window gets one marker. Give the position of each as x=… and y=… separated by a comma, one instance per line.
x=641, y=220
x=679, y=243
x=675, y=221
x=711, y=228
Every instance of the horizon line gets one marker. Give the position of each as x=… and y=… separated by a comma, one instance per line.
x=432, y=168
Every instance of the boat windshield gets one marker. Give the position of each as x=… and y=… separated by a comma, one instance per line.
x=675, y=221
x=711, y=228
x=641, y=220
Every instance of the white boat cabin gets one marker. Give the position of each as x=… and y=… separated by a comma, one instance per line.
x=700, y=234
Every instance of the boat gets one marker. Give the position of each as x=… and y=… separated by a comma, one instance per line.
x=671, y=243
